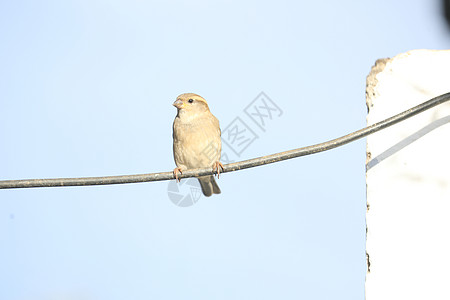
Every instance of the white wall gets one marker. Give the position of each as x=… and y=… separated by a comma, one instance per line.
x=408, y=180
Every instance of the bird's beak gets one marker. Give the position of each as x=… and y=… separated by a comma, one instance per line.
x=178, y=104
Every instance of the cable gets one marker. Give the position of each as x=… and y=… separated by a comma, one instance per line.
x=255, y=162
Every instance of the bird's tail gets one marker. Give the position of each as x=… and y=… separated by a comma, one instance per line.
x=209, y=185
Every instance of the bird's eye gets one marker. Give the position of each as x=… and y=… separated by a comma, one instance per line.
x=191, y=100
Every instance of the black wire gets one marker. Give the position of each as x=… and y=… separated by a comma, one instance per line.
x=56, y=182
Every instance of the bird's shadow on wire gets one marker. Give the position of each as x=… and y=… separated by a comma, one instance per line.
x=405, y=142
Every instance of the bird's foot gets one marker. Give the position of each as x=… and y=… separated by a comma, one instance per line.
x=216, y=166
x=175, y=173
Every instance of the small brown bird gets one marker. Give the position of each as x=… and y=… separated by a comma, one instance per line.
x=196, y=140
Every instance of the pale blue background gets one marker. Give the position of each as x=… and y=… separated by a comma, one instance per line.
x=86, y=89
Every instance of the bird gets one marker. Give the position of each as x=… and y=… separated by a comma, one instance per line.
x=196, y=140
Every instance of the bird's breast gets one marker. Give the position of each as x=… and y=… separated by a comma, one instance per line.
x=196, y=144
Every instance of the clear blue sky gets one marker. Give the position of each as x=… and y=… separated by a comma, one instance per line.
x=86, y=89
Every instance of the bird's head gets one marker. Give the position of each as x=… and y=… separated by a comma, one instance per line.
x=191, y=102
